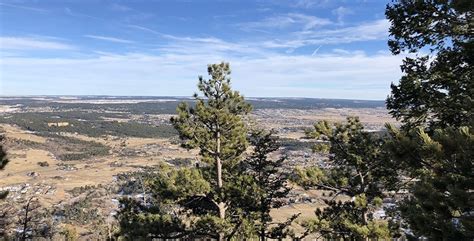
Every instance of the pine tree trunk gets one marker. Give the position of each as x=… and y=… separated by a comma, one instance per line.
x=262, y=221
x=366, y=220
x=221, y=204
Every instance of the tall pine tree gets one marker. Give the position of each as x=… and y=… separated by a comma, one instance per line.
x=214, y=125
x=434, y=101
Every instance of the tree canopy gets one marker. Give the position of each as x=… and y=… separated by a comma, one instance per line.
x=359, y=171
x=436, y=87
x=434, y=101
x=229, y=194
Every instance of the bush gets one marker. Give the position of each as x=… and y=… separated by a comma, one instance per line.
x=43, y=164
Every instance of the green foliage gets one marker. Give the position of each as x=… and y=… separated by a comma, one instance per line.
x=434, y=100
x=214, y=125
x=141, y=222
x=435, y=88
x=175, y=185
x=3, y=155
x=197, y=198
x=69, y=233
x=187, y=202
x=442, y=202
x=3, y=163
x=70, y=149
x=347, y=220
x=290, y=144
x=218, y=114
x=308, y=177
x=360, y=171
x=261, y=185
x=210, y=226
x=178, y=206
x=92, y=125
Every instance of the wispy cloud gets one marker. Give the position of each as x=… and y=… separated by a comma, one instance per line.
x=120, y=8
x=363, y=76
x=145, y=29
x=34, y=9
x=69, y=12
x=341, y=12
x=310, y=3
x=375, y=30
x=298, y=20
x=22, y=43
x=177, y=45
x=110, y=39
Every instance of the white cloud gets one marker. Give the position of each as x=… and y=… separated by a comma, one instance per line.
x=341, y=12
x=71, y=13
x=346, y=52
x=346, y=75
x=171, y=65
x=120, y=7
x=110, y=39
x=298, y=20
x=22, y=43
x=39, y=10
x=145, y=29
x=310, y=3
x=209, y=46
x=375, y=30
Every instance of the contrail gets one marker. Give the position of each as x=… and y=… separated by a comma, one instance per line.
x=316, y=50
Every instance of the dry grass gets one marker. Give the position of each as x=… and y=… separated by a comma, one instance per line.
x=17, y=133
x=89, y=172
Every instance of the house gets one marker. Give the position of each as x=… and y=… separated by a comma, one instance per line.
x=58, y=124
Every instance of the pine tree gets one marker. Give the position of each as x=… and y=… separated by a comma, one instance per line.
x=441, y=203
x=163, y=213
x=436, y=88
x=3, y=163
x=214, y=125
x=227, y=196
x=434, y=101
x=265, y=184
x=359, y=171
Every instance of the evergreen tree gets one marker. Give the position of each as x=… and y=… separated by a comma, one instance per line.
x=3, y=163
x=436, y=88
x=359, y=171
x=224, y=197
x=434, y=101
x=265, y=184
x=215, y=126
x=164, y=212
x=441, y=203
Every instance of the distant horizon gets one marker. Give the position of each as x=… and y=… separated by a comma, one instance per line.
x=300, y=48
x=189, y=97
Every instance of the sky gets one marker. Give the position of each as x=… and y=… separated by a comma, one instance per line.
x=276, y=48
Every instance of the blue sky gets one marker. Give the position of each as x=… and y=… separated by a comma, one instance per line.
x=298, y=48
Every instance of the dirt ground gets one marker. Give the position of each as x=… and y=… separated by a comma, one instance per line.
x=86, y=172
